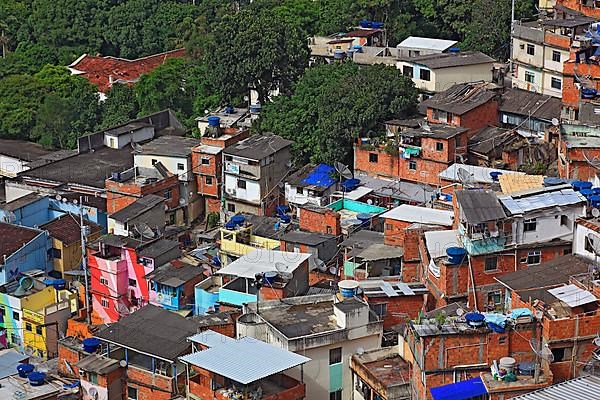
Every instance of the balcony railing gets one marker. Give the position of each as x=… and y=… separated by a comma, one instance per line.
x=485, y=242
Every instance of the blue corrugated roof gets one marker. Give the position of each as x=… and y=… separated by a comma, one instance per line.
x=463, y=390
x=323, y=175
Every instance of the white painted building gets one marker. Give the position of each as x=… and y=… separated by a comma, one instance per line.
x=311, y=185
x=124, y=135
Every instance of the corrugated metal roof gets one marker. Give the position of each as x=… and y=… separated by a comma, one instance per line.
x=423, y=215
x=210, y=339
x=262, y=260
x=522, y=205
x=584, y=388
x=573, y=295
x=246, y=360
x=479, y=206
x=9, y=359
x=417, y=42
x=478, y=174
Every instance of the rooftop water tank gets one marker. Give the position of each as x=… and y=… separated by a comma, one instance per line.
x=58, y=284
x=229, y=110
x=214, y=121
x=587, y=192
x=339, y=54
x=596, y=190
x=282, y=209
x=508, y=364
x=230, y=225
x=365, y=24
x=36, y=378
x=588, y=93
x=238, y=219
x=364, y=217
x=475, y=319
x=495, y=175
x=350, y=184
x=454, y=50
x=348, y=288
x=578, y=185
x=90, y=345
x=595, y=200
x=286, y=219
x=456, y=255
x=526, y=368
x=269, y=278
x=377, y=25
x=24, y=370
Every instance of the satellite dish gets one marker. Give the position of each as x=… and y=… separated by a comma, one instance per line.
x=594, y=242
x=465, y=177
x=182, y=202
x=370, y=202
x=136, y=147
x=539, y=315
x=360, y=351
x=123, y=363
x=58, y=197
x=555, y=121
x=343, y=170
x=93, y=393
x=596, y=341
x=543, y=351
x=460, y=312
x=75, y=201
x=64, y=200
x=144, y=230
x=595, y=213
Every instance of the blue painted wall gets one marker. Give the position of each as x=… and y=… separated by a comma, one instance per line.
x=234, y=297
x=34, y=255
x=58, y=208
x=205, y=301
x=31, y=215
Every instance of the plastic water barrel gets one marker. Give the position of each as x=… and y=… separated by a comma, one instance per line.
x=377, y=25
x=214, y=121
x=282, y=209
x=348, y=288
x=230, y=225
x=269, y=278
x=339, y=54
x=24, y=370
x=286, y=219
x=454, y=50
x=494, y=175
x=456, y=255
x=596, y=190
x=579, y=185
x=587, y=192
x=474, y=319
x=365, y=24
x=36, y=378
x=90, y=345
x=238, y=219
x=595, y=201
x=229, y=110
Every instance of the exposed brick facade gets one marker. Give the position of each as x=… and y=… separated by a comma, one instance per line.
x=399, y=308
x=121, y=194
x=320, y=220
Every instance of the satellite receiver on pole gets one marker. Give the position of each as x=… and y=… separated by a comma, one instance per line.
x=144, y=231
x=542, y=352
x=343, y=170
x=282, y=271
x=465, y=177
x=555, y=121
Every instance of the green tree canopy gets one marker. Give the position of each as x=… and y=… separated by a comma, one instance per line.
x=331, y=105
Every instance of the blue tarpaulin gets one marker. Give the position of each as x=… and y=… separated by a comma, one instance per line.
x=463, y=390
x=323, y=175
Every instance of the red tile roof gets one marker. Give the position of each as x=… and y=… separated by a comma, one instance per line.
x=100, y=70
x=362, y=33
x=13, y=237
x=66, y=228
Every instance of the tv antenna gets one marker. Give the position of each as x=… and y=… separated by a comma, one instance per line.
x=465, y=177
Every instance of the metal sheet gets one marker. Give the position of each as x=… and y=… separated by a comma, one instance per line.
x=584, y=388
x=388, y=289
x=404, y=288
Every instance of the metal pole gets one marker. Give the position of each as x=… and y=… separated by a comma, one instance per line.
x=84, y=260
x=512, y=31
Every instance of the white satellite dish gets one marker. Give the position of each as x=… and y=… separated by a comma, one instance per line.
x=343, y=170
x=58, y=197
x=543, y=351
x=594, y=242
x=460, y=312
x=93, y=393
x=144, y=230
x=123, y=363
x=596, y=341
x=555, y=121
x=182, y=202
x=539, y=315
x=464, y=176
x=360, y=351
x=595, y=213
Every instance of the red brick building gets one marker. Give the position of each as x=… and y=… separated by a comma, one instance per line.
x=400, y=218
x=588, y=8
x=319, y=219
x=207, y=163
x=394, y=301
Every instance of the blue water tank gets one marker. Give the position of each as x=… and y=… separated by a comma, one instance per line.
x=286, y=219
x=229, y=110
x=255, y=108
x=579, y=185
x=350, y=184
x=269, y=278
x=90, y=345
x=596, y=190
x=214, y=121
x=595, y=201
x=365, y=24
x=364, y=217
x=456, y=255
x=230, y=225
x=238, y=219
x=588, y=93
x=454, y=50
x=24, y=370
x=282, y=209
x=58, y=284
x=216, y=261
x=494, y=175
x=447, y=197
x=587, y=192
x=350, y=53
x=36, y=378
x=339, y=54
x=377, y=25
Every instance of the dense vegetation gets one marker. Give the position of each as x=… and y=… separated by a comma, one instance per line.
x=232, y=45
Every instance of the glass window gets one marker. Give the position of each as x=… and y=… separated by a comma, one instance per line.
x=412, y=165
x=380, y=309
x=425, y=74
x=38, y=330
x=555, y=56
x=530, y=225
x=16, y=316
x=373, y=157
x=439, y=146
x=230, y=207
x=494, y=298
x=180, y=167
x=93, y=378
x=529, y=77
x=407, y=71
x=28, y=327
x=335, y=355
x=56, y=253
x=205, y=161
x=132, y=393
x=534, y=257
x=132, y=282
x=241, y=184
x=168, y=194
x=337, y=395
x=556, y=83
x=530, y=49
x=209, y=181
x=491, y=264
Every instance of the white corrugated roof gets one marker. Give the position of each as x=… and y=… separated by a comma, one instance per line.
x=210, y=339
x=477, y=174
x=423, y=215
x=426, y=43
x=246, y=360
x=584, y=388
x=438, y=241
x=573, y=295
x=358, y=193
x=262, y=260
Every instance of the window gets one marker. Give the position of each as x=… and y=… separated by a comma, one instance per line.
x=28, y=327
x=530, y=49
x=56, y=253
x=389, y=227
x=329, y=229
x=439, y=115
x=300, y=190
x=3, y=311
x=534, y=257
x=562, y=353
x=407, y=71
x=38, y=330
x=205, y=161
x=104, y=303
x=494, y=298
x=132, y=282
x=373, y=157
x=335, y=355
x=564, y=221
x=209, y=180
x=529, y=77
x=380, y=309
x=16, y=316
x=132, y=393
x=425, y=75
x=112, y=143
x=168, y=194
x=180, y=167
x=439, y=146
x=566, y=252
x=555, y=56
x=103, y=281
x=241, y=184
x=93, y=378
x=230, y=207
x=14, y=338
x=412, y=165
x=530, y=225
x=154, y=161
x=491, y=264
x=337, y=395
x=556, y=83
x=457, y=141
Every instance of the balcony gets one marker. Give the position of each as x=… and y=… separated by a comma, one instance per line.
x=241, y=242
x=238, y=292
x=276, y=387
x=486, y=242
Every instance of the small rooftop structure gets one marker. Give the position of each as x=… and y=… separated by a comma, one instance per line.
x=476, y=174
x=429, y=216
x=151, y=331
x=228, y=116
x=556, y=196
x=307, y=238
x=582, y=388
x=376, y=252
x=243, y=360
x=573, y=295
x=170, y=146
x=381, y=288
x=435, y=45
x=98, y=364
x=317, y=178
x=524, y=102
x=397, y=190
x=434, y=131
x=257, y=147
x=175, y=273
x=385, y=371
x=446, y=60
x=21, y=202
x=479, y=206
x=263, y=260
x=463, y=97
x=136, y=209
x=66, y=228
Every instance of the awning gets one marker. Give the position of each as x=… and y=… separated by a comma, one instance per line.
x=463, y=390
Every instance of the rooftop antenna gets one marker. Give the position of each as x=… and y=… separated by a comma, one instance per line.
x=465, y=177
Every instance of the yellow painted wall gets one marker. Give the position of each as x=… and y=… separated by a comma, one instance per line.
x=70, y=255
x=230, y=246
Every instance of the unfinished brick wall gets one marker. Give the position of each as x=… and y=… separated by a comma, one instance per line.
x=121, y=194
x=399, y=308
x=320, y=220
x=150, y=386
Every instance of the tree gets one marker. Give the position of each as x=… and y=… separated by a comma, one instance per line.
x=120, y=106
x=331, y=105
x=54, y=123
x=251, y=49
x=20, y=97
